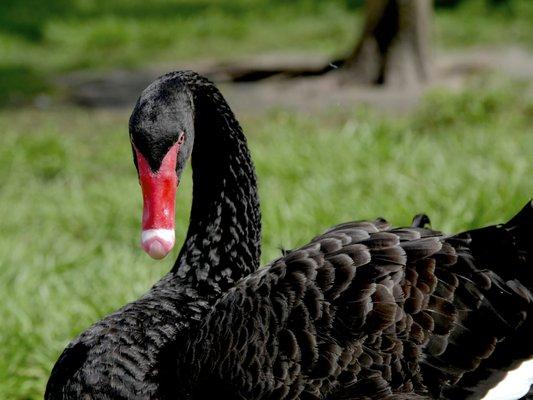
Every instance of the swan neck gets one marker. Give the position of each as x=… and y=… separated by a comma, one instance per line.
x=223, y=241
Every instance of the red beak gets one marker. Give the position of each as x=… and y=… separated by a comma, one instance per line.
x=159, y=198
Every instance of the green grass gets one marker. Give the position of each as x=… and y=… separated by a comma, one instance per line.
x=69, y=198
x=70, y=201
x=39, y=40
x=473, y=23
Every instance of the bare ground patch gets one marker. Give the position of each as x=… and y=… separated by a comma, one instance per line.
x=302, y=82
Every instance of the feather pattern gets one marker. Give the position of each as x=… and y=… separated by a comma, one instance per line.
x=369, y=312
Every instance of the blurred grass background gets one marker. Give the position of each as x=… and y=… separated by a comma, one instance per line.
x=40, y=39
x=69, y=199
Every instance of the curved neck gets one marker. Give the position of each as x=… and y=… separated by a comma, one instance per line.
x=223, y=240
x=222, y=245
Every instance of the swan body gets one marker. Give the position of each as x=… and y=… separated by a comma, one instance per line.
x=369, y=312
x=363, y=311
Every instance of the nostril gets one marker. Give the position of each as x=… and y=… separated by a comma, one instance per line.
x=157, y=242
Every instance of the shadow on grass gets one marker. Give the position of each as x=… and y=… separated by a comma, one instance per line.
x=19, y=83
x=29, y=17
x=28, y=20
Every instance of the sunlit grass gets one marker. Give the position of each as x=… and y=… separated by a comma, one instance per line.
x=70, y=203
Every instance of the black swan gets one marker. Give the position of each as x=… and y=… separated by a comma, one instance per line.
x=125, y=356
x=363, y=311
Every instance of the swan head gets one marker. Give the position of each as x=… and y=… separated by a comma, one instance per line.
x=161, y=133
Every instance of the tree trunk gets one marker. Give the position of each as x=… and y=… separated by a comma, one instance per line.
x=394, y=46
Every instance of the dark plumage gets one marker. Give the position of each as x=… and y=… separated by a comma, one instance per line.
x=129, y=354
x=367, y=312
x=363, y=311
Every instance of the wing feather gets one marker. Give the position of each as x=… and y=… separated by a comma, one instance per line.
x=361, y=312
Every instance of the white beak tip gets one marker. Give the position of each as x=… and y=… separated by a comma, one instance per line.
x=157, y=243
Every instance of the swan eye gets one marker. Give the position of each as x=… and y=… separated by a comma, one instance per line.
x=181, y=138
